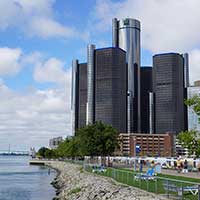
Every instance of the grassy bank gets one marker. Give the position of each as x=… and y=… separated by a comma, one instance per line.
x=157, y=185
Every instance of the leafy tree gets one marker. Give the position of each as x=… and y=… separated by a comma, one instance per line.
x=50, y=153
x=97, y=139
x=93, y=140
x=191, y=139
x=68, y=148
x=41, y=152
x=194, y=102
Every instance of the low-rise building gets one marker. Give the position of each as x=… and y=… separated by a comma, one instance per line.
x=193, y=119
x=54, y=142
x=148, y=144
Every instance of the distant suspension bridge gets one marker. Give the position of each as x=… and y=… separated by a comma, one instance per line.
x=13, y=152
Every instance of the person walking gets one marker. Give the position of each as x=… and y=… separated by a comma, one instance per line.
x=178, y=165
x=185, y=166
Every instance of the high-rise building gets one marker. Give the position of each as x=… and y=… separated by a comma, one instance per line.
x=193, y=119
x=186, y=85
x=79, y=94
x=74, y=95
x=110, y=87
x=99, y=89
x=186, y=70
x=82, y=94
x=126, y=35
x=146, y=89
x=168, y=87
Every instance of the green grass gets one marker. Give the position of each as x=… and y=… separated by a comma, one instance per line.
x=126, y=176
x=181, y=178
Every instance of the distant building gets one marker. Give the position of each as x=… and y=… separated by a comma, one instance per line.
x=32, y=152
x=193, y=119
x=150, y=144
x=54, y=142
x=168, y=88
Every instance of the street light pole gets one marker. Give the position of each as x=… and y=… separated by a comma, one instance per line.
x=134, y=140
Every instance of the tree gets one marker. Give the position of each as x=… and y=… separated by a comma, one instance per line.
x=41, y=152
x=194, y=102
x=68, y=148
x=97, y=139
x=50, y=153
x=93, y=140
x=191, y=139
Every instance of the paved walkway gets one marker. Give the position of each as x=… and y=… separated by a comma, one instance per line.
x=175, y=173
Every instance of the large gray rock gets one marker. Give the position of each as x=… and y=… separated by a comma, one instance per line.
x=78, y=185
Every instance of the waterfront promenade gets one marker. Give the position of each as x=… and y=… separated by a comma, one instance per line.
x=74, y=183
x=175, y=173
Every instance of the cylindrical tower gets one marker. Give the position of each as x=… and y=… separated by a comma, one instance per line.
x=186, y=70
x=115, y=38
x=127, y=37
x=90, y=84
x=151, y=112
x=74, y=95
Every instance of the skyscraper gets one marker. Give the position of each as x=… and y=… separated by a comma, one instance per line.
x=146, y=88
x=90, y=83
x=186, y=85
x=110, y=87
x=168, y=87
x=99, y=89
x=126, y=35
x=82, y=94
x=78, y=94
x=74, y=95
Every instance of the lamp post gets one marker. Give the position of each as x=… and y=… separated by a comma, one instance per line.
x=134, y=142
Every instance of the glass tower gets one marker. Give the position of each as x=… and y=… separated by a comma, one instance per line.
x=126, y=35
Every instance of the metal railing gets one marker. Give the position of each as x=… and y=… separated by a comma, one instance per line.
x=171, y=188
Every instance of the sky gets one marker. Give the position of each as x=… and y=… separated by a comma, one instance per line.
x=39, y=39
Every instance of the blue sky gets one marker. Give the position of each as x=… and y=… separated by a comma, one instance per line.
x=39, y=39
x=74, y=14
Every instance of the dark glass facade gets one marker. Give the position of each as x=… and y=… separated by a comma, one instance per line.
x=146, y=87
x=82, y=85
x=111, y=87
x=168, y=86
x=126, y=35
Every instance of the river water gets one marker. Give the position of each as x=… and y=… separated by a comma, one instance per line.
x=20, y=181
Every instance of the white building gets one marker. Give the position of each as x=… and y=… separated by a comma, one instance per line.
x=54, y=142
x=193, y=119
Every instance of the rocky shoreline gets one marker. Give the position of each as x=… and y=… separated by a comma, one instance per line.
x=73, y=183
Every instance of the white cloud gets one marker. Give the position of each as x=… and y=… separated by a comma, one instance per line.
x=10, y=61
x=47, y=28
x=32, y=118
x=194, y=65
x=166, y=25
x=50, y=71
x=35, y=18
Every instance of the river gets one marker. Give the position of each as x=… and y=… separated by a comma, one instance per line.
x=20, y=181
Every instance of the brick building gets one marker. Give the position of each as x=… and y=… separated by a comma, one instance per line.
x=150, y=144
